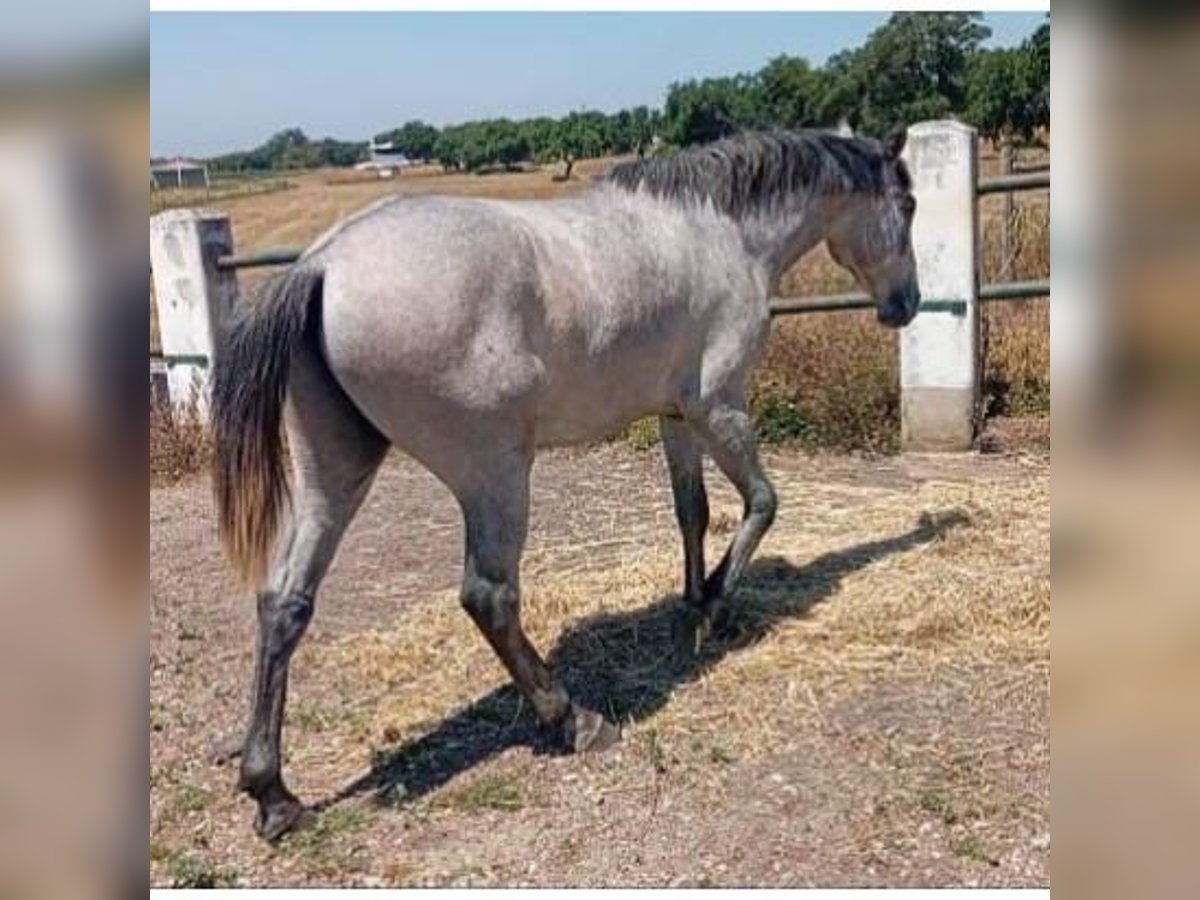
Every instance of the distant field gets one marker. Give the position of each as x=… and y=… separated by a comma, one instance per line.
x=219, y=191
x=294, y=218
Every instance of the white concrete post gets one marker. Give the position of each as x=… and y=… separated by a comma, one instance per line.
x=939, y=350
x=193, y=296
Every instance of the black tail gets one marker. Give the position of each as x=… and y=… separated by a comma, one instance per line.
x=250, y=378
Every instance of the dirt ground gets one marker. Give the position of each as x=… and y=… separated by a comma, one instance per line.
x=878, y=715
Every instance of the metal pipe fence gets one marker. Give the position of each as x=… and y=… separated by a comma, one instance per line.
x=788, y=306
x=283, y=256
x=1005, y=184
x=988, y=293
x=780, y=306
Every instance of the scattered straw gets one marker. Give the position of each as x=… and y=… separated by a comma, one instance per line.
x=946, y=574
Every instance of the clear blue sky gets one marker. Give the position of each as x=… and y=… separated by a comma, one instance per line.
x=227, y=81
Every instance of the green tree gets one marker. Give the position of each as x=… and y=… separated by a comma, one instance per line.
x=997, y=99
x=840, y=89
x=291, y=149
x=914, y=67
x=579, y=135
x=477, y=148
x=415, y=139
x=539, y=134
x=478, y=145
x=287, y=149
x=1037, y=50
x=618, y=132
x=448, y=149
x=1008, y=90
x=700, y=111
x=643, y=125
x=791, y=93
x=330, y=152
x=507, y=143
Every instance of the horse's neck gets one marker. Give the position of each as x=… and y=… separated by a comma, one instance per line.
x=779, y=237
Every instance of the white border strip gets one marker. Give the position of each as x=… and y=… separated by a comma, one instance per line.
x=596, y=6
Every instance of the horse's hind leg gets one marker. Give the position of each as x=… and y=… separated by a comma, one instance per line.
x=728, y=434
x=335, y=455
x=496, y=516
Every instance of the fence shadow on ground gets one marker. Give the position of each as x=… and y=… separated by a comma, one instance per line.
x=625, y=664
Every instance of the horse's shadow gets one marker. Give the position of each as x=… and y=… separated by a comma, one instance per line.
x=625, y=664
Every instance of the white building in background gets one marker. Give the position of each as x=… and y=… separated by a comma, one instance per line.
x=386, y=160
x=180, y=172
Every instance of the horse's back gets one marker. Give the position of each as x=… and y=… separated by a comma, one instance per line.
x=449, y=319
x=416, y=283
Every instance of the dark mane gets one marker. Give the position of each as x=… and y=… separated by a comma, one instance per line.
x=755, y=170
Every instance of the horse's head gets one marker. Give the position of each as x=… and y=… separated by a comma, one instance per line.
x=873, y=239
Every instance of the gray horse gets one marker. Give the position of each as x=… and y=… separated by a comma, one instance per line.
x=471, y=332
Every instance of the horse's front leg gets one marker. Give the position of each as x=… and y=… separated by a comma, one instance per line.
x=685, y=462
x=728, y=434
x=686, y=465
x=496, y=514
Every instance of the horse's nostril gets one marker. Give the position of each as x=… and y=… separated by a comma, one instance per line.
x=899, y=309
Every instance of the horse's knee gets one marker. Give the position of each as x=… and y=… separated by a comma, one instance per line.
x=283, y=619
x=494, y=605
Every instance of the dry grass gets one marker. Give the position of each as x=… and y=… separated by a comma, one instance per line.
x=491, y=792
x=1017, y=335
x=964, y=583
x=829, y=380
x=180, y=444
x=220, y=192
x=894, y=606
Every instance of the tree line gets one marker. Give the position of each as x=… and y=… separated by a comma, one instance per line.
x=291, y=149
x=916, y=66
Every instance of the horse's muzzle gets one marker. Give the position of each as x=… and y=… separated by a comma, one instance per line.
x=900, y=308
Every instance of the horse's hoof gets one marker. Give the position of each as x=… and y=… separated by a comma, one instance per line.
x=225, y=750
x=724, y=624
x=274, y=821
x=590, y=732
x=689, y=629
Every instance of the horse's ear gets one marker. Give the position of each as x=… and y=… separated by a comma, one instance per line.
x=893, y=146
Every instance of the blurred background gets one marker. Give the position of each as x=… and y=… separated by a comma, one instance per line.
x=74, y=127
x=1126, y=344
